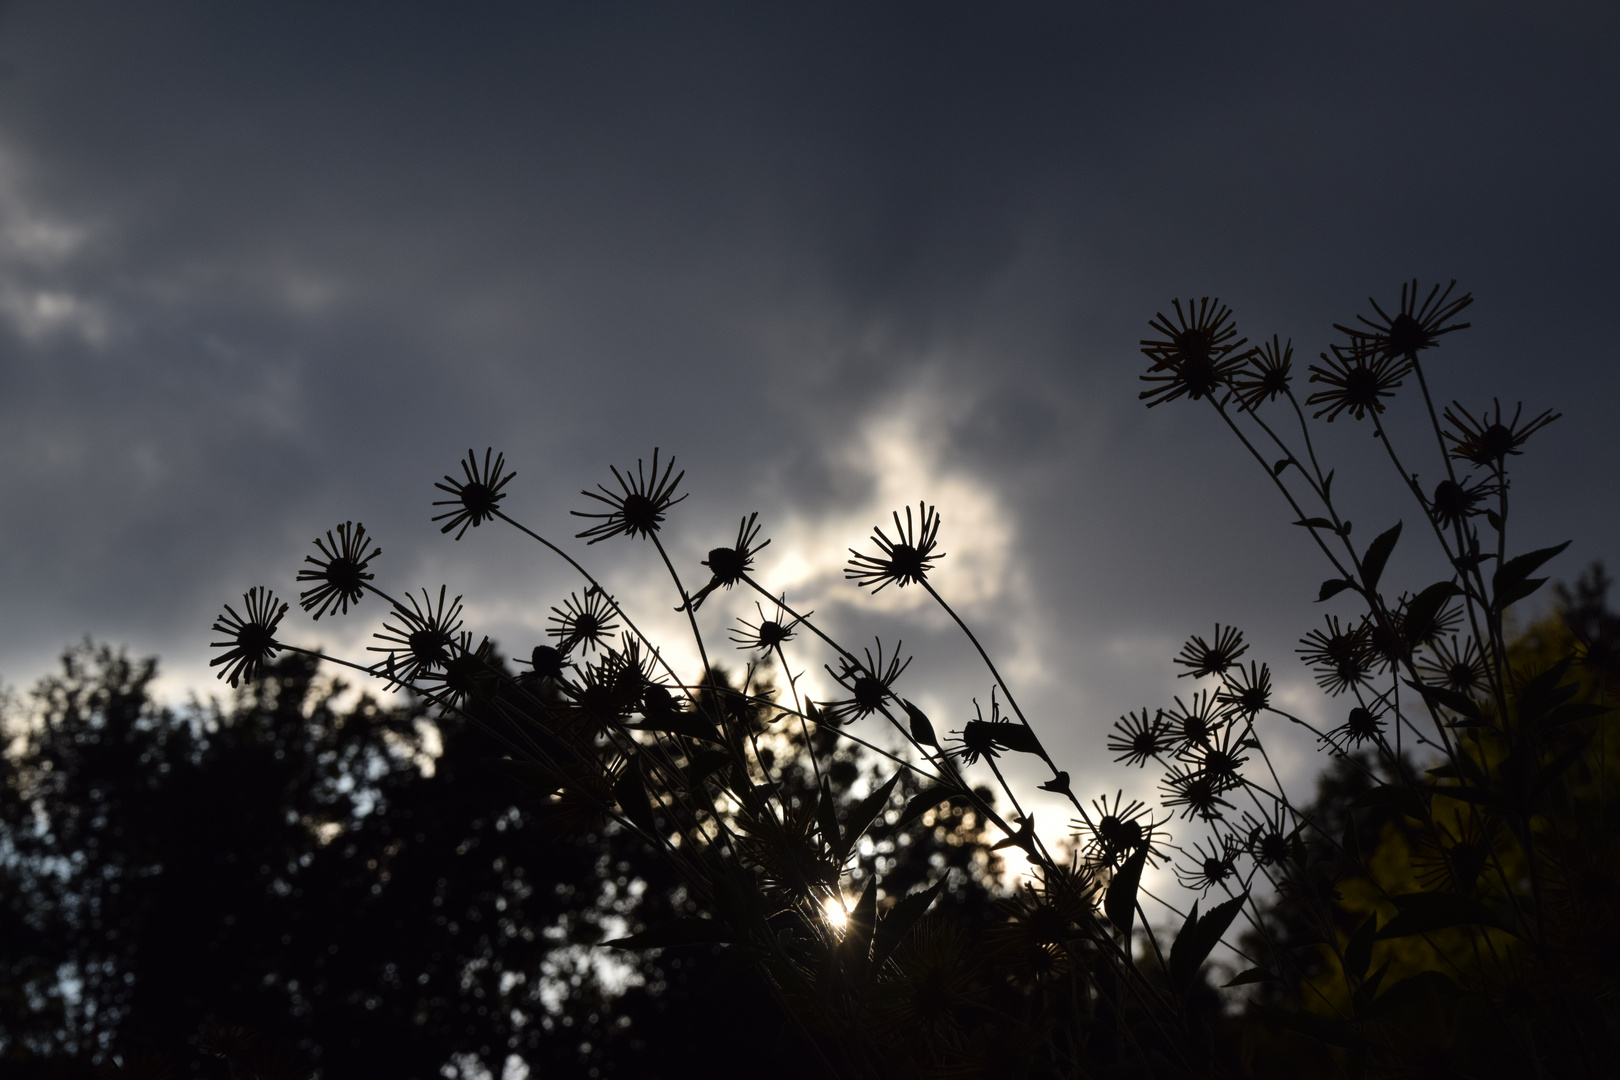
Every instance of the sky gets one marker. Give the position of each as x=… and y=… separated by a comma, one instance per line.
x=269, y=267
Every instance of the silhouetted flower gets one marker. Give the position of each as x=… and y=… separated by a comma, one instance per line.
x=466, y=672
x=1217, y=758
x=547, y=662
x=1415, y=326
x=1247, y=693
x=252, y=636
x=1193, y=724
x=1195, y=792
x=1356, y=381
x=1116, y=831
x=1362, y=726
x=341, y=570
x=1209, y=863
x=1339, y=656
x=766, y=634
x=1270, y=837
x=631, y=668
x=1197, y=354
x=1455, y=501
x=1136, y=738
x=422, y=640
x=904, y=561
x=1204, y=658
x=869, y=685
x=728, y=565
x=606, y=694
x=1489, y=443
x=1267, y=374
x=1456, y=666
x=638, y=508
x=584, y=622
x=1387, y=646
x=1452, y=856
x=476, y=499
x=1420, y=630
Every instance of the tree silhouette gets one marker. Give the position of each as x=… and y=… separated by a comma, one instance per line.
x=316, y=883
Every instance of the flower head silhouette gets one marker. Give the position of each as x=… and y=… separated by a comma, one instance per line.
x=1136, y=738
x=1247, y=692
x=251, y=636
x=1361, y=727
x=869, y=685
x=420, y=638
x=1415, y=326
x=1267, y=374
x=340, y=571
x=584, y=622
x=1357, y=381
x=1209, y=863
x=766, y=634
x=905, y=560
x=1115, y=831
x=638, y=507
x=1489, y=442
x=476, y=499
x=1197, y=354
x=728, y=565
x=1212, y=657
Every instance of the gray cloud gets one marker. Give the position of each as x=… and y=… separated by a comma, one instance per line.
x=267, y=267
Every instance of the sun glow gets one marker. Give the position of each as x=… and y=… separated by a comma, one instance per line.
x=837, y=914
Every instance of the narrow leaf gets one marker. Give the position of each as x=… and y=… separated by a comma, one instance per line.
x=1418, y=622
x=1251, y=975
x=1333, y=587
x=1422, y=913
x=1362, y=1000
x=1512, y=578
x=1315, y=523
x=1198, y=939
x=1514, y=593
x=1473, y=795
x=703, y=764
x=1015, y=737
x=924, y=801
x=1119, y=904
x=631, y=796
x=1372, y=563
x=861, y=817
x=1392, y=796
x=1573, y=712
x=691, y=725
x=1459, y=703
x=675, y=933
x=899, y=921
x=921, y=729
x=855, y=951
x=827, y=818
x=1358, y=951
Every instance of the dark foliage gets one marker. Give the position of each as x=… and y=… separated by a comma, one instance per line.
x=310, y=873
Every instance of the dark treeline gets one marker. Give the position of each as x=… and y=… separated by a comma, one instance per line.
x=286, y=885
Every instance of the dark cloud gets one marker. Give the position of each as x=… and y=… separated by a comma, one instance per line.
x=266, y=267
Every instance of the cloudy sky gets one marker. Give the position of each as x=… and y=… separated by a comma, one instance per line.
x=267, y=267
